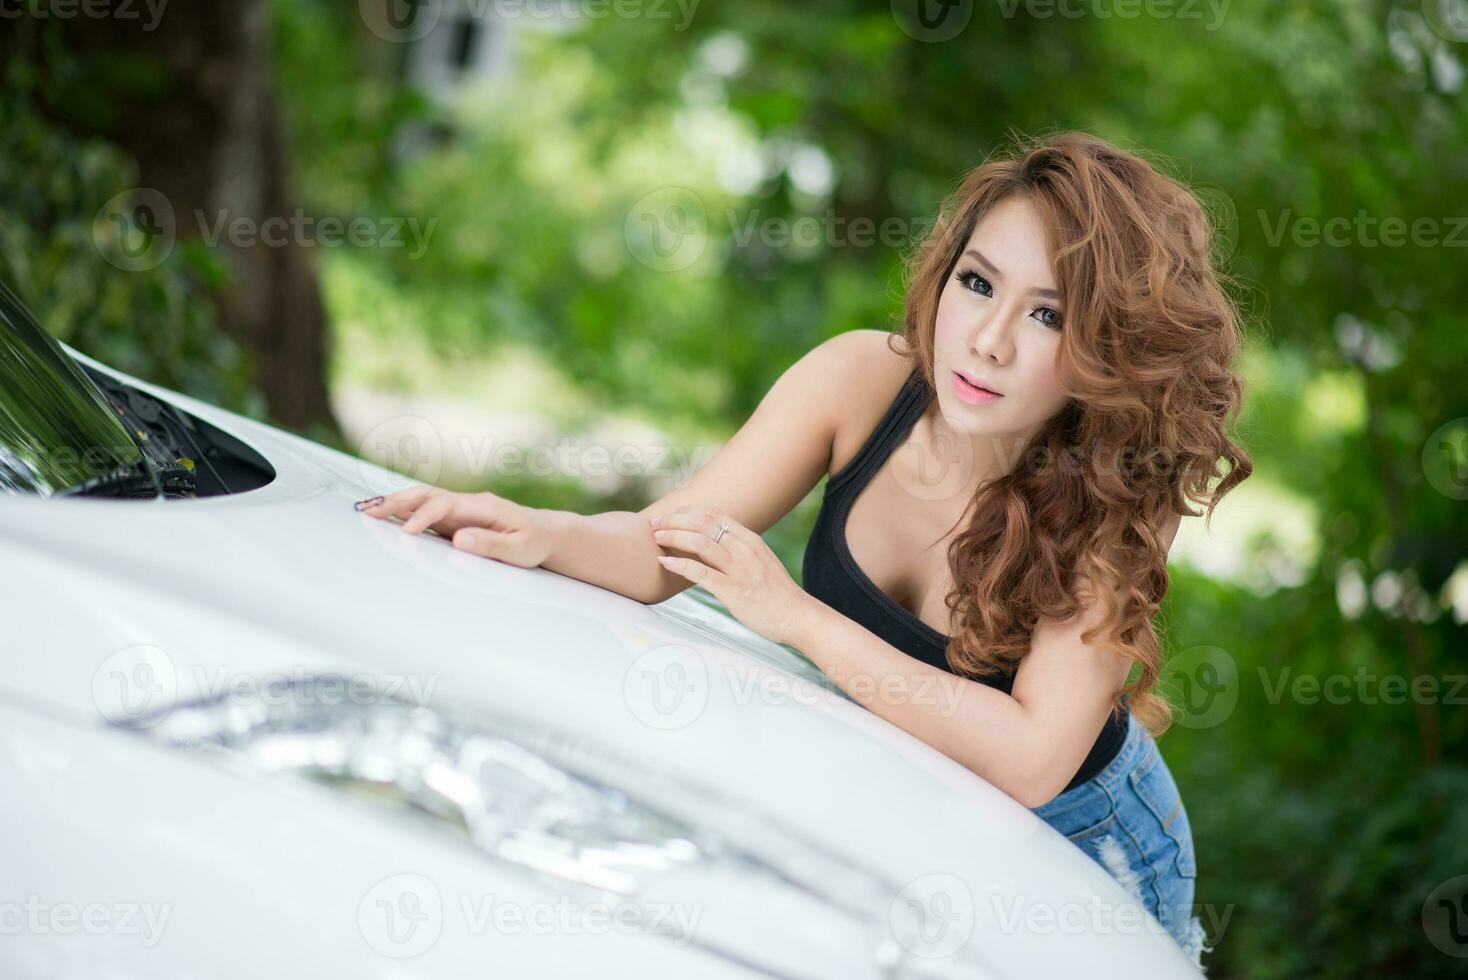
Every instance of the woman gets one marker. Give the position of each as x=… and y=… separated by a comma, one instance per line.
x=1065, y=352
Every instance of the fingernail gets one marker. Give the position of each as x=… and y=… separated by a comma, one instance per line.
x=369, y=502
x=464, y=541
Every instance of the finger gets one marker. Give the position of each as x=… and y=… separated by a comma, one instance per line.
x=732, y=545
x=491, y=508
x=736, y=539
x=707, y=522
x=695, y=543
x=712, y=520
x=483, y=542
x=664, y=519
x=688, y=568
x=430, y=513
x=398, y=504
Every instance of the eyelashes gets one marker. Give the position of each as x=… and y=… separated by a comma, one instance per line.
x=968, y=277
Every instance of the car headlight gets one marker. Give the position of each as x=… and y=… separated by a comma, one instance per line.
x=553, y=805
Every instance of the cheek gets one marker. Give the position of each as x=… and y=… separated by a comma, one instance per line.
x=945, y=324
x=1047, y=373
x=1043, y=372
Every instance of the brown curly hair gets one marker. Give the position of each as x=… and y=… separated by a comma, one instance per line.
x=1150, y=334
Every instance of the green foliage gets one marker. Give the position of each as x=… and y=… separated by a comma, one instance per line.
x=157, y=324
x=1323, y=825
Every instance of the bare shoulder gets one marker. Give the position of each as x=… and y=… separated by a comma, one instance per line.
x=875, y=369
x=866, y=347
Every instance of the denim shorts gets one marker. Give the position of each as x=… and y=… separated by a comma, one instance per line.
x=1130, y=820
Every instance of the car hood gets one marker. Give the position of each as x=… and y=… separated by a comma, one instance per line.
x=290, y=579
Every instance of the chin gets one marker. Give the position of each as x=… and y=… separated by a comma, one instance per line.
x=967, y=418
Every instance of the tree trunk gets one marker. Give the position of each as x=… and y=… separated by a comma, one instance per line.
x=212, y=141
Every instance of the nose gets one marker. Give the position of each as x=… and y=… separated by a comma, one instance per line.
x=992, y=338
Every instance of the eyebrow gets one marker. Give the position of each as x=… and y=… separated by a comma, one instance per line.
x=994, y=271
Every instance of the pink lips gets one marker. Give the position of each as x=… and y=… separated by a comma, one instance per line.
x=972, y=393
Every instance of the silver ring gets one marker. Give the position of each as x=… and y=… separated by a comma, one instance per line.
x=723, y=526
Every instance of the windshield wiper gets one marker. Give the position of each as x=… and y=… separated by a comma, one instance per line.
x=142, y=479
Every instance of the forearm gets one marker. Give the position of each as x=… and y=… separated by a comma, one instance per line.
x=613, y=550
x=978, y=726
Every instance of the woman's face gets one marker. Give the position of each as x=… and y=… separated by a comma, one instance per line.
x=999, y=322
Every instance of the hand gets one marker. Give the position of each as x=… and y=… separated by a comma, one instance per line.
x=481, y=523
x=740, y=570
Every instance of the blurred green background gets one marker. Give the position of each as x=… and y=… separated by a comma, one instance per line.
x=619, y=228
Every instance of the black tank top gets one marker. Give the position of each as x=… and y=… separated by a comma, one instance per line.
x=831, y=574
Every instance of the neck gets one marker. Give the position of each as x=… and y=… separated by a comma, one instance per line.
x=962, y=461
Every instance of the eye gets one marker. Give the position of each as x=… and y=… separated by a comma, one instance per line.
x=1052, y=320
x=980, y=286
x=969, y=278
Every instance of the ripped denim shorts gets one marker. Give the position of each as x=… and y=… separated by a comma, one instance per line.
x=1130, y=820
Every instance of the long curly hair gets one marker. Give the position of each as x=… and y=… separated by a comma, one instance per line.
x=1145, y=355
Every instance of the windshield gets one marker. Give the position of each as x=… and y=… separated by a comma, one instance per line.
x=56, y=428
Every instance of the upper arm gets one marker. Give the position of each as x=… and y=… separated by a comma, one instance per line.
x=784, y=448
x=1067, y=684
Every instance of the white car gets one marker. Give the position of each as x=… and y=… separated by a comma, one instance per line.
x=247, y=732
